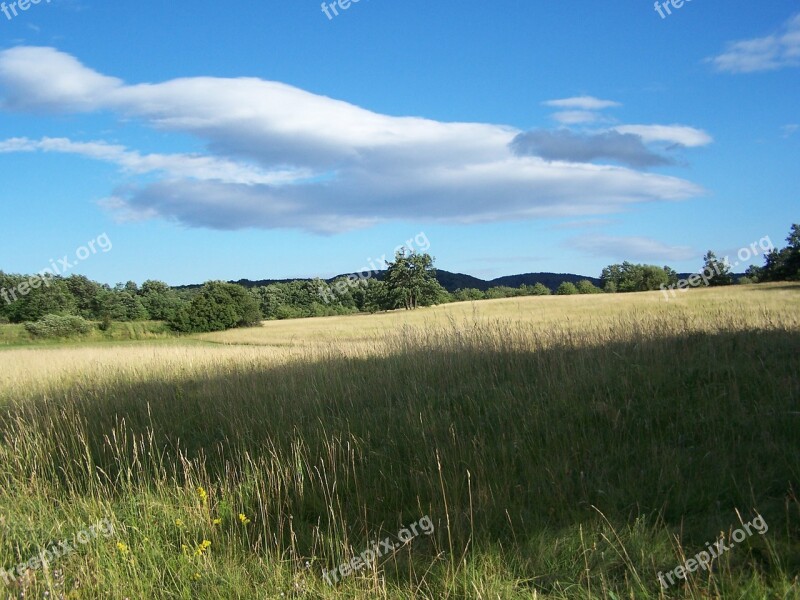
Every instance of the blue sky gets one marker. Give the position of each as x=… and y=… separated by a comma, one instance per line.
x=258, y=140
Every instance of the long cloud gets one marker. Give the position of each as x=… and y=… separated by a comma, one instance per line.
x=769, y=53
x=278, y=156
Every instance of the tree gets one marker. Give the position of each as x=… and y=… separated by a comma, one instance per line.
x=783, y=264
x=584, y=286
x=8, y=298
x=611, y=277
x=51, y=296
x=218, y=306
x=717, y=272
x=85, y=292
x=753, y=274
x=467, y=294
x=502, y=291
x=566, y=289
x=411, y=281
x=376, y=296
x=538, y=289
x=120, y=305
x=160, y=300
x=629, y=277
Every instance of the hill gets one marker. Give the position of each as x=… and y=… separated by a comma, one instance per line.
x=449, y=281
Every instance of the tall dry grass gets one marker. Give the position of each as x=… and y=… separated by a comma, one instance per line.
x=562, y=450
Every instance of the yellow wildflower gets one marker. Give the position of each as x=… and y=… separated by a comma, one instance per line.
x=216, y=521
x=205, y=545
x=203, y=495
x=179, y=522
x=243, y=519
x=122, y=548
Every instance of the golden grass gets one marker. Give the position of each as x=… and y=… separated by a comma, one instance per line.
x=753, y=305
x=506, y=421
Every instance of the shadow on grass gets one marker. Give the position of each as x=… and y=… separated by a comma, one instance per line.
x=501, y=443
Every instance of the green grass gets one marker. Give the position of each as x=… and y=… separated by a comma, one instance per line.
x=556, y=458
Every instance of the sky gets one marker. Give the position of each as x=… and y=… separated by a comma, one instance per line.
x=191, y=141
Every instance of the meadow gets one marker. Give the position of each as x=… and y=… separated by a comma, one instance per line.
x=567, y=447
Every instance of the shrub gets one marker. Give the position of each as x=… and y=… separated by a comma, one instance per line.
x=56, y=326
x=539, y=289
x=566, y=289
x=584, y=286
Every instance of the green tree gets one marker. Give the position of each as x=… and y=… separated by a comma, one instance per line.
x=537, y=289
x=85, y=292
x=119, y=304
x=630, y=277
x=584, y=286
x=50, y=297
x=784, y=264
x=753, y=274
x=717, y=272
x=218, y=306
x=502, y=291
x=159, y=300
x=566, y=289
x=8, y=295
x=376, y=296
x=465, y=294
x=411, y=281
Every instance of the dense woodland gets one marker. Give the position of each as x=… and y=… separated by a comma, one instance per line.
x=59, y=306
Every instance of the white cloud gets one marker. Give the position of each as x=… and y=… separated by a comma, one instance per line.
x=582, y=103
x=576, y=117
x=673, y=134
x=631, y=248
x=172, y=165
x=278, y=156
x=790, y=130
x=44, y=78
x=776, y=51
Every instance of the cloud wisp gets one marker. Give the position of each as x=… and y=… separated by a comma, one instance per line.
x=280, y=157
x=582, y=103
x=634, y=248
x=778, y=50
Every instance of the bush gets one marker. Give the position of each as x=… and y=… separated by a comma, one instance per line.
x=539, y=289
x=584, y=286
x=566, y=289
x=56, y=326
x=105, y=324
x=465, y=294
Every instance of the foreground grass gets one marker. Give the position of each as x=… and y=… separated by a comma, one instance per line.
x=560, y=451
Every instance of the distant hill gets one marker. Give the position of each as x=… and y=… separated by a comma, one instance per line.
x=551, y=280
x=450, y=281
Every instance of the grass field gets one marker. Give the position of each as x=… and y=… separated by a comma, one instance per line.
x=562, y=447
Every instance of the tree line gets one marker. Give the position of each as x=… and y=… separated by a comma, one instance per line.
x=70, y=303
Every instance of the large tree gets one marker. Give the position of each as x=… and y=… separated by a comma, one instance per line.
x=50, y=297
x=160, y=300
x=717, y=272
x=411, y=280
x=783, y=264
x=630, y=277
x=218, y=306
